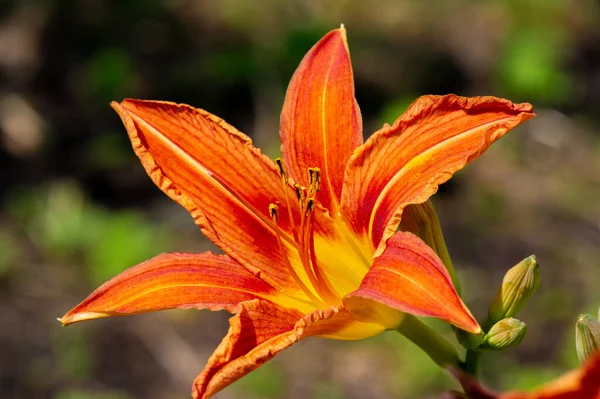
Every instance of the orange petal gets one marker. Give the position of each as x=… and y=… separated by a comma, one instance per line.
x=320, y=122
x=409, y=276
x=178, y=280
x=404, y=164
x=259, y=331
x=583, y=383
x=214, y=171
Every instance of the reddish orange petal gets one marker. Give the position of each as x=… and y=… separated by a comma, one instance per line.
x=178, y=280
x=583, y=383
x=257, y=333
x=404, y=164
x=218, y=176
x=409, y=276
x=320, y=122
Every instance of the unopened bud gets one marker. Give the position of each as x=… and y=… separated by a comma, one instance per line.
x=504, y=334
x=422, y=221
x=587, y=336
x=468, y=340
x=518, y=285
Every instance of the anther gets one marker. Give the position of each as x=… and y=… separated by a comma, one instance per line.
x=317, y=173
x=273, y=212
x=282, y=171
x=314, y=176
x=310, y=203
x=299, y=191
x=314, y=180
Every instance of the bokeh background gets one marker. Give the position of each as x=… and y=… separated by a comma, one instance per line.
x=76, y=208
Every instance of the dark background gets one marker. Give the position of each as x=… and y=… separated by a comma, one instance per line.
x=76, y=208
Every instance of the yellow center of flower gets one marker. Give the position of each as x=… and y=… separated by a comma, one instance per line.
x=325, y=269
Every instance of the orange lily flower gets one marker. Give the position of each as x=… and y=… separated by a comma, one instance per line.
x=581, y=383
x=310, y=241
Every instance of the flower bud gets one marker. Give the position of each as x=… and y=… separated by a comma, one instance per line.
x=422, y=221
x=504, y=334
x=519, y=283
x=587, y=336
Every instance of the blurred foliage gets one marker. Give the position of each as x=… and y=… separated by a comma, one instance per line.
x=76, y=207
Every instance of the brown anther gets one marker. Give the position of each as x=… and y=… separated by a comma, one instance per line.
x=299, y=191
x=314, y=179
x=317, y=173
x=274, y=212
x=310, y=204
x=282, y=171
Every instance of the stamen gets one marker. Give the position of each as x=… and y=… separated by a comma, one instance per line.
x=314, y=178
x=282, y=171
x=285, y=180
x=303, y=250
x=299, y=193
x=304, y=237
x=321, y=283
x=274, y=212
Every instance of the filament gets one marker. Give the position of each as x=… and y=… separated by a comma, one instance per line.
x=273, y=211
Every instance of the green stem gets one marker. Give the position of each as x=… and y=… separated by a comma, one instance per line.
x=472, y=361
x=438, y=349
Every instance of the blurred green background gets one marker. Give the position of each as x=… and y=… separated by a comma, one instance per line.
x=76, y=207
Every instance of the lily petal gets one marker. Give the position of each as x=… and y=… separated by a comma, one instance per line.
x=213, y=170
x=581, y=383
x=404, y=164
x=176, y=280
x=408, y=276
x=259, y=331
x=321, y=123
x=421, y=220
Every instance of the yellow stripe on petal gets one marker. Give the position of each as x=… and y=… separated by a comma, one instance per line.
x=178, y=280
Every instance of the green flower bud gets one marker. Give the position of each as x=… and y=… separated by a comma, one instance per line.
x=468, y=340
x=519, y=283
x=422, y=221
x=587, y=336
x=504, y=334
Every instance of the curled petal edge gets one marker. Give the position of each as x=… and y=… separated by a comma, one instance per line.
x=260, y=330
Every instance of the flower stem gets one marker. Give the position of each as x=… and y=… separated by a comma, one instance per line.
x=438, y=349
x=471, y=361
